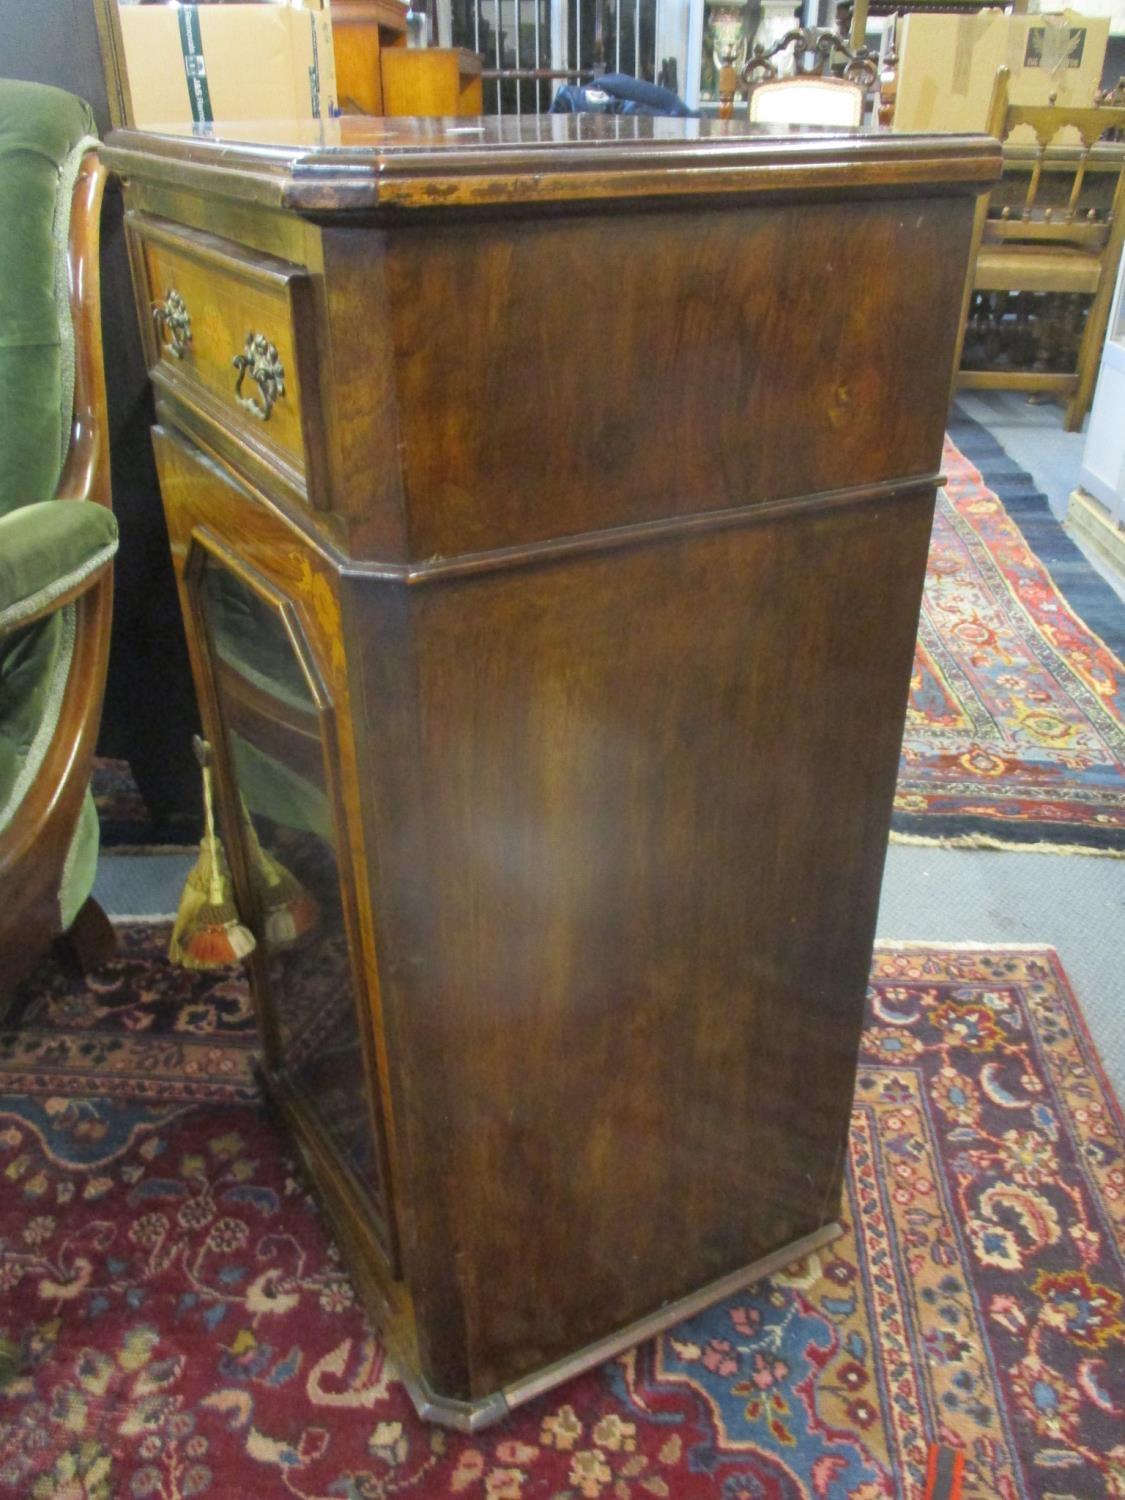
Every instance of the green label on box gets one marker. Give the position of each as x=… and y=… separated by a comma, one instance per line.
x=195, y=68
x=314, y=72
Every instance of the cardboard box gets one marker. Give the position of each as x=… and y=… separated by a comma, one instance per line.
x=229, y=62
x=947, y=64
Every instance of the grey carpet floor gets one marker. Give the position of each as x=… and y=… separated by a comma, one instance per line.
x=1076, y=904
x=1032, y=434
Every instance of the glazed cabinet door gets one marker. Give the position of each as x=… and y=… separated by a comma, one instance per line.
x=271, y=714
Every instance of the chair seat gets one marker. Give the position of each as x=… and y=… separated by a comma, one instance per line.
x=806, y=100
x=1036, y=268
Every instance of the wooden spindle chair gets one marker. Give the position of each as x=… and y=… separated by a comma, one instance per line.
x=1034, y=234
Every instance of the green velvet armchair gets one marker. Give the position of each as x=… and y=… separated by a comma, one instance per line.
x=57, y=530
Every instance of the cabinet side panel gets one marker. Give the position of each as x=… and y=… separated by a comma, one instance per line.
x=417, y=1043
x=565, y=375
x=633, y=851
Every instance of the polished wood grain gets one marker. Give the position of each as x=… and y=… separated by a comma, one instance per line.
x=411, y=438
x=431, y=81
x=752, y=348
x=34, y=845
x=610, y=583
x=356, y=164
x=629, y=888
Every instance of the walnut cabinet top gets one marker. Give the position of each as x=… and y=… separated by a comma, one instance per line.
x=358, y=164
x=513, y=332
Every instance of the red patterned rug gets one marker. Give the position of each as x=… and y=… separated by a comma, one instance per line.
x=177, y=1324
x=1015, y=732
x=138, y=1028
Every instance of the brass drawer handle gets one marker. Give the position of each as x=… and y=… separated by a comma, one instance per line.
x=173, y=323
x=259, y=359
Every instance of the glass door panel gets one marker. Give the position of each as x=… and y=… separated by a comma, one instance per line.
x=275, y=737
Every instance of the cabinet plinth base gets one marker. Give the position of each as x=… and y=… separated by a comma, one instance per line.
x=376, y=1292
x=472, y=1416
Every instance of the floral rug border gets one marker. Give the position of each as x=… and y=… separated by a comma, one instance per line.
x=1090, y=600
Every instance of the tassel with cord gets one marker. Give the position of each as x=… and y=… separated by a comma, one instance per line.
x=208, y=932
x=288, y=909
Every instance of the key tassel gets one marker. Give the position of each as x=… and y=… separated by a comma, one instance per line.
x=289, y=910
x=208, y=932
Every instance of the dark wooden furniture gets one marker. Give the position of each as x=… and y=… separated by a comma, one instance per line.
x=552, y=585
x=1055, y=224
x=37, y=840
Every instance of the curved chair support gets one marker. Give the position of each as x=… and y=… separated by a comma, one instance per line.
x=35, y=844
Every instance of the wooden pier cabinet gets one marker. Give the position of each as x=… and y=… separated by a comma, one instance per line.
x=550, y=501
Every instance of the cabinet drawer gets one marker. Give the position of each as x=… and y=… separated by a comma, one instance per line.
x=231, y=331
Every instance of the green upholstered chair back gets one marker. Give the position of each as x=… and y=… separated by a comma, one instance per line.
x=40, y=129
x=43, y=135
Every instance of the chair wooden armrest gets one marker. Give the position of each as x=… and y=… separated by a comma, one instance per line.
x=35, y=843
x=68, y=596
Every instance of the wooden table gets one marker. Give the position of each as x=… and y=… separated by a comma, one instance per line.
x=550, y=500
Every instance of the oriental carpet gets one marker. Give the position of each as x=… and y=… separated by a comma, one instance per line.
x=136, y=1027
x=177, y=1323
x=1015, y=729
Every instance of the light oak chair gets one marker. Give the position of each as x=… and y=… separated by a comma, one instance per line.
x=1056, y=224
x=58, y=535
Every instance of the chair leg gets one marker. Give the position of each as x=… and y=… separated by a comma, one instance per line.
x=91, y=940
x=1079, y=403
x=980, y=217
x=1089, y=353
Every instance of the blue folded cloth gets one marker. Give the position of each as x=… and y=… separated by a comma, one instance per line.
x=618, y=94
